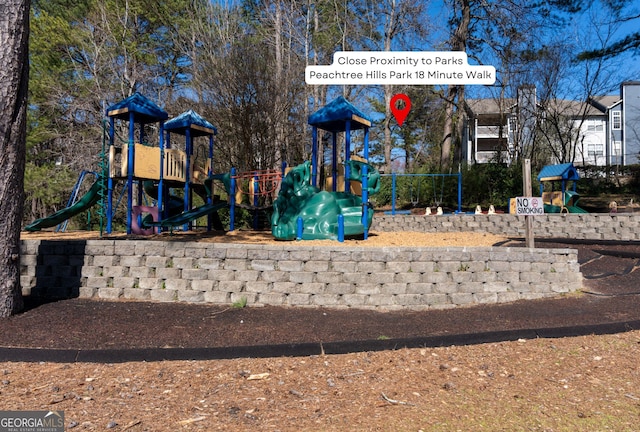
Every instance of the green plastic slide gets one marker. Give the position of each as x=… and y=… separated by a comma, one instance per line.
x=87, y=201
x=188, y=216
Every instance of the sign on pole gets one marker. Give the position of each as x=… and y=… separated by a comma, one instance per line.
x=529, y=206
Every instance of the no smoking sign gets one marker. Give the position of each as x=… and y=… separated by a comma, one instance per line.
x=528, y=206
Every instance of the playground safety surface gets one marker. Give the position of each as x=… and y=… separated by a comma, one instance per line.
x=489, y=367
x=127, y=330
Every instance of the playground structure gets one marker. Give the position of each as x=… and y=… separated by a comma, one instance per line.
x=156, y=170
x=563, y=200
x=302, y=210
x=160, y=181
x=151, y=174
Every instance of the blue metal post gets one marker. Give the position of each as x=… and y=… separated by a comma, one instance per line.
x=459, y=192
x=314, y=157
x=110, y=179
x=160, y=200
x=341, y=228
x=130, y=164
x=256, y=189
x=299, y=228
x=209, y=173
x=365, y=185
x=187, y=176
x=139, y=193
x=232, y=200
x=347, y=155
x=211, y=142
x=334, y=161
x=393, y=194
x=141, y=140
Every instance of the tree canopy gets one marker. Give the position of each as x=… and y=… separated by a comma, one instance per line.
x=619, y=11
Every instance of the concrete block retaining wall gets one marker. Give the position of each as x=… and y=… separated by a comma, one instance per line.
x=293, y=274
x=621, y=226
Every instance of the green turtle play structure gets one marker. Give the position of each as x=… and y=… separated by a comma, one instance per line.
x=317, y=211
x=304, y=211
x=563, y=200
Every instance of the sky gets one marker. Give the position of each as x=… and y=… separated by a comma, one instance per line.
x=624, y=67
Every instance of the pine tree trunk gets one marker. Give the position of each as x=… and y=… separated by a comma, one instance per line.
x=455, y=94
x=14, y=76
x=447, y=131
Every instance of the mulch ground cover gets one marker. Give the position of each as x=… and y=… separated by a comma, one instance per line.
x=611, y=288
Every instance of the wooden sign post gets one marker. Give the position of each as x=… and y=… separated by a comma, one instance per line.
x=526, y=186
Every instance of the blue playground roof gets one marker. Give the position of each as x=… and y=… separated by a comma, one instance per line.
x=144, y=110
x=190, y=120
x=333, y=117
x=565, y=171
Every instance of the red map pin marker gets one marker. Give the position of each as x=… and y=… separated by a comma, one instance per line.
x=400, y=113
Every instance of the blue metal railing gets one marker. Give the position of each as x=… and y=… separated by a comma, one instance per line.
x=394, y=177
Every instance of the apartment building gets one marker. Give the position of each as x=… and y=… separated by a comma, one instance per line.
x=605, y=131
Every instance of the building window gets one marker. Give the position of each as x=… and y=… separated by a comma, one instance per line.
x=617, y=148
x=595, y=150
x=617, y=120
x=595, y=125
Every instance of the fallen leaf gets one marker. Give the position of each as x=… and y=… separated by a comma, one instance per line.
x=191, y=420
x=258, y=376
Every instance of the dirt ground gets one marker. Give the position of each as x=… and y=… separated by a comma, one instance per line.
x=582, y=383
